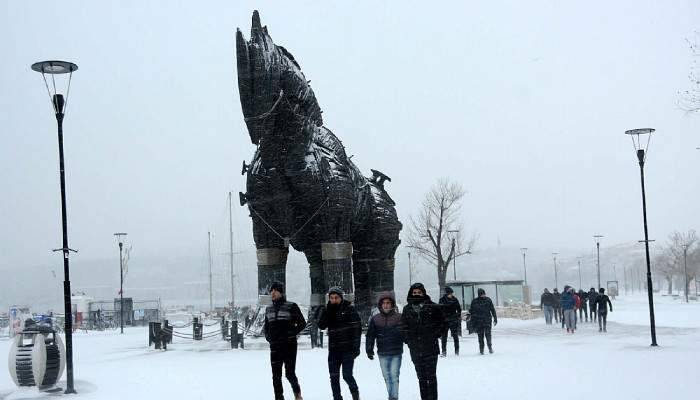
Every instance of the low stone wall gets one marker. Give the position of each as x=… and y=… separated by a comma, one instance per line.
x=519, y=312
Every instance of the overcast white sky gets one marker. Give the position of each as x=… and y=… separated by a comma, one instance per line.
x=524, y=103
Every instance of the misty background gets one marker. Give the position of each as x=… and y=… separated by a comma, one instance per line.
x=523, y=103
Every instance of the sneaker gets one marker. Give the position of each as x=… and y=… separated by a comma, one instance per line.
x=600, y=330
x=605, y=330
x=490, y=350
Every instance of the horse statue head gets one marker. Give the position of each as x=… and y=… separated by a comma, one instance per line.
x=275, y=96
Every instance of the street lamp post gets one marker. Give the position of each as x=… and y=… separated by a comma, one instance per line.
x=59, y=104
x=597, y=245
x=636, y=134
x=556, y=276
x=454, y=268
x=121, y=280
x=523, y=250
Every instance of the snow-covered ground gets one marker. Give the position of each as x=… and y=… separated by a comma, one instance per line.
x=532, y=361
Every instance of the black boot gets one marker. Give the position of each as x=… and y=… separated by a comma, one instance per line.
x=490, y=350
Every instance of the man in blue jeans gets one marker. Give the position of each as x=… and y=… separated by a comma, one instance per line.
x=344, y=334
x=384, y=329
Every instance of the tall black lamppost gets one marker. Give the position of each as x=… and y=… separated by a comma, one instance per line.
x=523, y=250
x=59, y=103
x=597, y=246
x=641, y=149
x=121, y=280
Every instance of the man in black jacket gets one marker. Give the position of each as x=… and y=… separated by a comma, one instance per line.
x=602, y=302
x=547, y=305
x=592, y=301
x=480, y=312
x=283, y=322
x=557, y=306
x=344, y=335
x=422, y=324
x=453, y=315
x=384, y=329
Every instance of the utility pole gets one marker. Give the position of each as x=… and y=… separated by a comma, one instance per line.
x=580, y=281
x=556, y=277
x=410, y=270
x=230, y=227
x=211, y=297
x=597, y=245
x=524, y=251
x=121, y=280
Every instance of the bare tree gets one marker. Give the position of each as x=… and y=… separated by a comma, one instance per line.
x=436, y=233
x=678, y=258
x=690, y=99
x=664, y=267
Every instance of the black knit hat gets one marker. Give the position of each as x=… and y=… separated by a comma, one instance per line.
x=481, y=292
x=417, y=285
x=278, y=286
x=336, y=290
x=448, y=290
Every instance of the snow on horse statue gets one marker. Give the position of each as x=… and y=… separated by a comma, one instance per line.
x=303, y=190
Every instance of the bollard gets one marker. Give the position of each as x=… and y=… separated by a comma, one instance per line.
x=167, y=332
x=197, y=329
x=235, y=337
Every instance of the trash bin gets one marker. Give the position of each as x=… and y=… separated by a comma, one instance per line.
x=37, y=357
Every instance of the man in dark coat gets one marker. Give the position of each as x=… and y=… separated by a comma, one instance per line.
x=557, y=306
x=481, y=311
x=384, y=329
x=283, y=322
x=547, y=304
x=453, y=316
x=602, y=302
x=344, y=336
x=422, y=324
x=592, y=301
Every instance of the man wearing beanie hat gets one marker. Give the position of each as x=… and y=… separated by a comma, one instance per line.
x=283, y=322
x=344, y=334
x=453, y=315
x=422, y=324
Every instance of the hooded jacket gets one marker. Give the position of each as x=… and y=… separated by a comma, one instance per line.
x=547, y=299
x=451, y=309
x=283, y=322
x=602, y=302
x=344, y=327
x=592, y=298
x=422, y=323
x=384, y=329
x=481, y=310
x=568, y=302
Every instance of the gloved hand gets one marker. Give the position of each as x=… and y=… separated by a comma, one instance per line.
x=370, y=356
x=495, y=322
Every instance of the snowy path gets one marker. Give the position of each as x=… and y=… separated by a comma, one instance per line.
x=532, y=361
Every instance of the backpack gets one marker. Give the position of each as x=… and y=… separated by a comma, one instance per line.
x=578, y=301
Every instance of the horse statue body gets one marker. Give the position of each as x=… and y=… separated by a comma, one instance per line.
x=302, y=189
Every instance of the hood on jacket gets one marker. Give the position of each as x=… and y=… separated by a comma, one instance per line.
x=385, y=295
x=416, y=285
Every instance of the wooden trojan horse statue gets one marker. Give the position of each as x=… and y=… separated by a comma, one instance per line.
x=302, y=190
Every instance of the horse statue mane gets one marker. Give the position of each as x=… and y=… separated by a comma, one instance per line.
x=301, y=187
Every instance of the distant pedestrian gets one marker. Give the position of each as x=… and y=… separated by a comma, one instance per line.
x=592, y=301
x=481, y=312
x=568, y=305
x=283, y=322
x=547, y=304
x=603, y=301
x=583, y=310
x=557, y=305
x=384, y=328
x=344, y=336
x=422, y=324
x=453, y=315
x=313, y=326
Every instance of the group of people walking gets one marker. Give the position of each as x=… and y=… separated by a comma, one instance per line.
x=421, y=325
x=564, y=306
